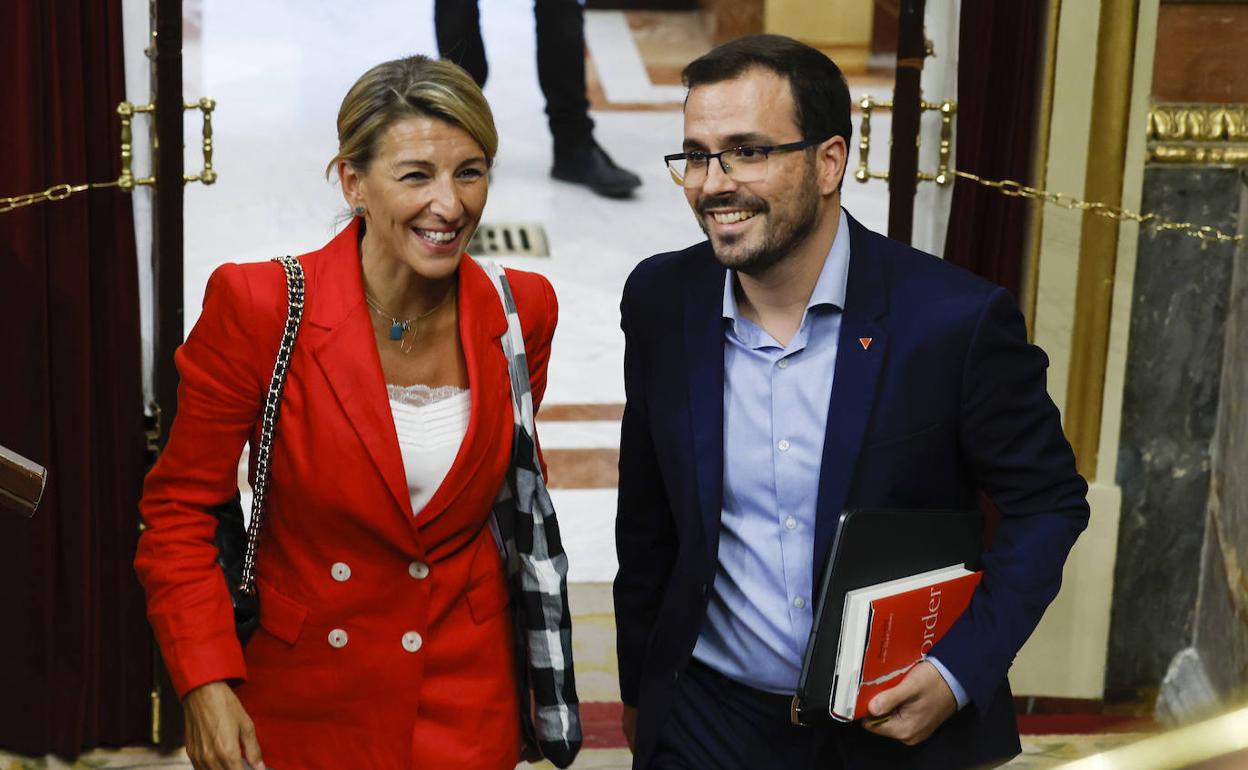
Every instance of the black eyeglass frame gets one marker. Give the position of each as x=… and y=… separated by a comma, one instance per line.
x=766, y=150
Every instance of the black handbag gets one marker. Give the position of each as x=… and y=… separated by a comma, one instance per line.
x=236, y=545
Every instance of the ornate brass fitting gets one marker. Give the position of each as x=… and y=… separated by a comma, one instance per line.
x=127, y=111
x=947, y=109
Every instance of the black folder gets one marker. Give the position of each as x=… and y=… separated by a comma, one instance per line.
x=874, y=546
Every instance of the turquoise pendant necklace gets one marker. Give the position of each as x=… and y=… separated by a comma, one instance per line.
x=405, y=330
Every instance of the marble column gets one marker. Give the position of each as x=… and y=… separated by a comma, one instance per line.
x=1183, y=430
x=1213, y=672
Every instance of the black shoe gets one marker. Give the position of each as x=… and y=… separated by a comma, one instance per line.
x=588, y=164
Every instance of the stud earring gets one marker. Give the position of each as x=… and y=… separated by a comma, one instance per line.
x=359, y=210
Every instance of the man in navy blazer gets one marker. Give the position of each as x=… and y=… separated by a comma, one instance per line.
x=795, y=365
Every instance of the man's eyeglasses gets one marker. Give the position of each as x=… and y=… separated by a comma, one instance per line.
x=740, y=164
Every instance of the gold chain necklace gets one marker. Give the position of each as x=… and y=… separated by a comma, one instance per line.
x=405, y=330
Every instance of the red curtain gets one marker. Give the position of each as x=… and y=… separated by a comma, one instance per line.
x=999, y=69
x=76, y=655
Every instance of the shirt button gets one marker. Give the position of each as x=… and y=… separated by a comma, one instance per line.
x=340, y=571
x=783, y=363
x=338, y=638
x=783, y=446
x=790, y=523
x=799, y=602
x=418, y=569
x=412, y=641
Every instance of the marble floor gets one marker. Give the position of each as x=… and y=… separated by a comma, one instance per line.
x=596, y=676
x=1040, y=752
x=278, y=71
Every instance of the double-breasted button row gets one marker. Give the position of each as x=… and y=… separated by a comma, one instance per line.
x=341, y=571
x=411, y=641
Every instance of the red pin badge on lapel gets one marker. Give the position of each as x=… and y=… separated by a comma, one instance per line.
x=865, y=342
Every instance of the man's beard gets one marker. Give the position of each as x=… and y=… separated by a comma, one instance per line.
x=781, y=236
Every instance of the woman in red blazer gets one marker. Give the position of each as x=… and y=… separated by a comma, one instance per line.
x=384, y=637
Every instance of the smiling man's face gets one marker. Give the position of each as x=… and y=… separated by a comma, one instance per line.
x=754, y=225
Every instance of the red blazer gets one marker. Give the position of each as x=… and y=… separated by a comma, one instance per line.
x=384, y=640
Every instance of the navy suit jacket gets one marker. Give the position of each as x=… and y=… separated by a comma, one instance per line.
x=946, y=402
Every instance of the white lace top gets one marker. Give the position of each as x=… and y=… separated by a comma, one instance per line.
x=431, y=423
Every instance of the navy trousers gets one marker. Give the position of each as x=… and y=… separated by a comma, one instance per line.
x=717, y=723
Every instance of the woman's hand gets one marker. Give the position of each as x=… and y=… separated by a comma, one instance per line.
x=219, y=734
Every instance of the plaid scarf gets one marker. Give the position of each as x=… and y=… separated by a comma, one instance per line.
x=537, y=568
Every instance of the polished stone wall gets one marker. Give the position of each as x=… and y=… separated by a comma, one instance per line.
x=1222, y=604
x=1174, y=398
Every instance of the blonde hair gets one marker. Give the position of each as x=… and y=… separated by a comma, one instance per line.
x=408, y=87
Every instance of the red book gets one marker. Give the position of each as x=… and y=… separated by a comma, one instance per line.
x=887, y=628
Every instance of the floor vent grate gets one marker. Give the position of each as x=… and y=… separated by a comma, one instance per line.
x=510, y=239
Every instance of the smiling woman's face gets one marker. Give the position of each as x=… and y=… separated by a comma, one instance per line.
x=423, y=194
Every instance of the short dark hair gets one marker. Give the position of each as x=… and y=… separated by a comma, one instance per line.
x=820, y=94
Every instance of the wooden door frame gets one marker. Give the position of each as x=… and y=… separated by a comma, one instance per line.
x=168, y=731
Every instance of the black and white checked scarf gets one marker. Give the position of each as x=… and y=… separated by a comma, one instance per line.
x=537, y=568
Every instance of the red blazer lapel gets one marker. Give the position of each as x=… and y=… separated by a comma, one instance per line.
x=340, y=337
x=482, y=323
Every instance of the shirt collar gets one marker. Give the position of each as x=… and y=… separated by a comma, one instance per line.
x=829, y=288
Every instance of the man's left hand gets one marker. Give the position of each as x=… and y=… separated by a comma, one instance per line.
x=915, y=708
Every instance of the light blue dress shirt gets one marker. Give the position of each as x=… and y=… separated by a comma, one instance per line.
x=775, y=414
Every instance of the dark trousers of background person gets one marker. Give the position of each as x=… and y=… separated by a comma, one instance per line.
x=560, y=59
x=719, y=723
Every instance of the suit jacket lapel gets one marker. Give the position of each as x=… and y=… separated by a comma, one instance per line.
x=858, y=368
x=704, y=350
x=346, y=350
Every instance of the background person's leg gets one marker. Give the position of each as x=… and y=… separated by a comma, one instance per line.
x=561, y=74
x=457, y=26
x=561, y=69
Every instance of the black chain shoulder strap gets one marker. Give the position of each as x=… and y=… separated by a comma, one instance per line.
x=272, y=403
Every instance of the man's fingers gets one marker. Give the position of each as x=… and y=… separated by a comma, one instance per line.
x=893, y=697
x=903, y=726
x=884, y=718
x=882, y=703
x=907, y=729
x=916, y=706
